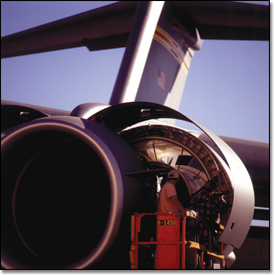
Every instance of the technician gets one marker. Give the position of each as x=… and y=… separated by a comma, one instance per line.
x=168, y=199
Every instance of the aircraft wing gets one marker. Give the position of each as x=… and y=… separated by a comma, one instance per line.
x=47, y=111
x=110, y=26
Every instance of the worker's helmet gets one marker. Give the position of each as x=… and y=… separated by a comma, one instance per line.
x=210, y=185
x=173, y=175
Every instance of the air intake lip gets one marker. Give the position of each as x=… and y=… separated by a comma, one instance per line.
x=50, y=145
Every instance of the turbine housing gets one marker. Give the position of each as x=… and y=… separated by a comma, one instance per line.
x=64, y=195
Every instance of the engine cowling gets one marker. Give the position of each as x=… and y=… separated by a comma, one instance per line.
x=64, y=195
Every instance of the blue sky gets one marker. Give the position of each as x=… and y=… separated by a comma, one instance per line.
x=227, y=88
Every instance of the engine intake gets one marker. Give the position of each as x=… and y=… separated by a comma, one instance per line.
x=64, y=195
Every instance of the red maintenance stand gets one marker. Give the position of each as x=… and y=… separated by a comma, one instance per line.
x=164, y=247
x=169, y=241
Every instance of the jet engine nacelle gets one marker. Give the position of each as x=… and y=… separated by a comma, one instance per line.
x=64, y=195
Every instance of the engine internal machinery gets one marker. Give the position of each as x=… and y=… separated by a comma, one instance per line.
x=164, y=148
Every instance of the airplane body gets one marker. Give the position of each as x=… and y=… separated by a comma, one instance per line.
x=61, y=157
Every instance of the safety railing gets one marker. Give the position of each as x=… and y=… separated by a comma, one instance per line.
x=158, y=241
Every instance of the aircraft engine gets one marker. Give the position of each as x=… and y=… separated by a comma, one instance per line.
x=65, y=195
x=69, y=185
